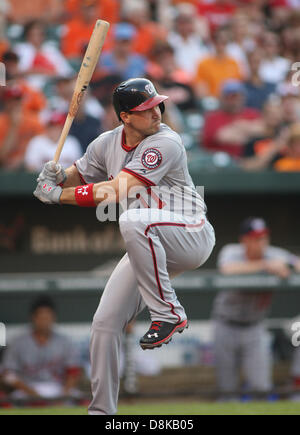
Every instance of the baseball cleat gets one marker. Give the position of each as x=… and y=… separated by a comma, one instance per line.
x=161, y=333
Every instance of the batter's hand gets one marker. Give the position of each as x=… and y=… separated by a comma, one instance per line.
x=48, y=192
x=53, y=172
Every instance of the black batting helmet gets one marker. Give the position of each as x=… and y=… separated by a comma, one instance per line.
x=136, y=95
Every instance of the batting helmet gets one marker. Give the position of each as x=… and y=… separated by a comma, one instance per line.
x=136, y=95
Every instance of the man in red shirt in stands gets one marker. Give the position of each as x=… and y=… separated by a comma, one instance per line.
x=218, y=13
x=233, y=125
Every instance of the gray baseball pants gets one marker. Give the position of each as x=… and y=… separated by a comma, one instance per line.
x=246, y=350
x=159, y=245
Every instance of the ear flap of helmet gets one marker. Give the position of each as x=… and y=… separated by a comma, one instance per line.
x=162, y=108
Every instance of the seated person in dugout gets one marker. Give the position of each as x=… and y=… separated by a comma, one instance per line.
x=41, y=363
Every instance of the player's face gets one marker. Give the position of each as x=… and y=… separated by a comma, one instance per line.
x=146, y=122
x=255, y=246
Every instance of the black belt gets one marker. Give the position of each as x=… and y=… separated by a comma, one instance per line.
x=239, y=324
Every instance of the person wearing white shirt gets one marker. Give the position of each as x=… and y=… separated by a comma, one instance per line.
x=274, y=68
x=187, y=43
x=41, y=60
x=241, y=42
x=42, y=148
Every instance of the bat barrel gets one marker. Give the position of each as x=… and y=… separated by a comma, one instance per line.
x=84, y=77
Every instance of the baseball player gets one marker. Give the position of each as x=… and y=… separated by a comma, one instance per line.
x=295, y=374
x=241, y=339
x=165, y=228
x=41, y=363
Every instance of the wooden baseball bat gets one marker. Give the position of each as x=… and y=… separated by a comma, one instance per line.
x=84, y=77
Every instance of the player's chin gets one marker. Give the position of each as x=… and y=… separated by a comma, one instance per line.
x=156, y=127
x=152, y=130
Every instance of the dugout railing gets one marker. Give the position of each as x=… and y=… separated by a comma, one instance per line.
x=77, y=293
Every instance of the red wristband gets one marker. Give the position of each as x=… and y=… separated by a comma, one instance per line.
x=84, y=196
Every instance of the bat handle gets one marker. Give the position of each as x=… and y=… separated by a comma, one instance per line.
x=63, y=137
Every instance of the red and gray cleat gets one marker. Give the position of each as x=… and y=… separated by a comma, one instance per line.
x=161, y=333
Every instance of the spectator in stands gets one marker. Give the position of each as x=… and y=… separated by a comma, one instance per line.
x=33, y=100
x=241, y=340
x=278, y=13
x=214, y=70
x=85, y=128
x=186, y=41
x=103, y=90
x=290, y=162
x=265, y=149
x=241, y=42
x=62, y=95
x=122, y=60
x=17, y=127
x=231, y=127
x=289, y=35
x=22, y=12
x=255, y=13
x=273, y=68
x=179, y=2
x=79, y=29
x=39, y=59
x=217, y=12
x=41, y=149
x=4, y=9
x=171, y=79
x=108, y=10
x=109, y=120
x=290, y=105
x=258, y=91
x=148, y=33
x=41, y=363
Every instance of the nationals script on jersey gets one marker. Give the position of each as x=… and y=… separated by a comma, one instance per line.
x=159, y=161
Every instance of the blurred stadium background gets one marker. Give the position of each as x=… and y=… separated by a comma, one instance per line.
x=242, y=141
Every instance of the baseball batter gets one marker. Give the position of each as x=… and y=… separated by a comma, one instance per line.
x=165, y=228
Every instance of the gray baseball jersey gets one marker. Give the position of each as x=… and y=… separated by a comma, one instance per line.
x=241, y=340
x=34, y=363
x=240, y=306
x=165, y=232
x=295, y=369
x=159, y=161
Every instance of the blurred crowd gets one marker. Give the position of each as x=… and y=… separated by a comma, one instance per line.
x=229, y=68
